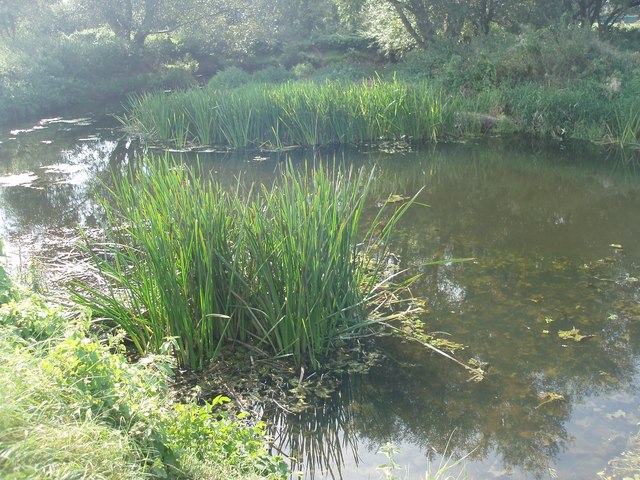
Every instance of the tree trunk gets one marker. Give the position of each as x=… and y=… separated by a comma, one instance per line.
x=418, y=37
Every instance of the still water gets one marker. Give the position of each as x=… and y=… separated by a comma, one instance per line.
x=555, y=234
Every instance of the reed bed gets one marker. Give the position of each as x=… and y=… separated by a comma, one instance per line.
x=286, y=269
x=299, y=113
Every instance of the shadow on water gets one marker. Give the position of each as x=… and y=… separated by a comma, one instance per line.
x=556, y=246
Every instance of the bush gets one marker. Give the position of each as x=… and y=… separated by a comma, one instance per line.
x=230, y=77
x=570, y=112
x=47, y=74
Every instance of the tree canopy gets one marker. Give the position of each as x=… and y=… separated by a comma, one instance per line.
x=236, y=26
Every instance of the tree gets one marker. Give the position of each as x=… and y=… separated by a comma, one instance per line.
x=423, y=20
x=16, y=13
x=135, y=20
x=603, y=13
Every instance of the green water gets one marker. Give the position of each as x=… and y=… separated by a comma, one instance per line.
x=556, y=241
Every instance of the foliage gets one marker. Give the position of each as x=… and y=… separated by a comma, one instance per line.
x=43, y=75
x=33, y=318
x=397, y=26
x=74, y=407
x=5, y=282
x=293, y=114
x=233, y=77
x=587, y=89
x=444, y=471
x=284, y=269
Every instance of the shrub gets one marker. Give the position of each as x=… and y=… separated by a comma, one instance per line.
x=231, y=77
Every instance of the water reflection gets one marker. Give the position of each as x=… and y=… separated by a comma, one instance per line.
x=320, y=440
x=540, y=223
x=542, y=236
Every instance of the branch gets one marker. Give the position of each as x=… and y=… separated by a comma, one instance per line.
x=400, y=7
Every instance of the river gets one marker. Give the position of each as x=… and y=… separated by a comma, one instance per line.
x=554, y=232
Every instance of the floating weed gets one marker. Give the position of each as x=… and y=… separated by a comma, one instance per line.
x=549, y=397
x=573, y=334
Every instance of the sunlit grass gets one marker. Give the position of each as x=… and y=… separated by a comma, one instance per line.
x=297, y=113
x=73, y=407
x=285, y=269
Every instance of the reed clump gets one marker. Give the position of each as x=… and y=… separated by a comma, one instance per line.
x=294, y=113
x=284, y=269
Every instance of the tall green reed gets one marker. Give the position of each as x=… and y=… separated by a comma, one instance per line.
x=297, y=113
x=626, y=128
x=286, y=269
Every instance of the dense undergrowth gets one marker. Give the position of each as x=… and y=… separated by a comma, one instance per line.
x=48, y=75
x=557, y=82
x=73, y=406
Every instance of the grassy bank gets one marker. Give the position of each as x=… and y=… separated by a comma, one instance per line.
x=73, y=406
x=556, y=83
x=299, y=113
x=286, y=268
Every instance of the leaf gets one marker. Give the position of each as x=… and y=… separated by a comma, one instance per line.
x=548, y=397
x=395, y=198
x=573, y=334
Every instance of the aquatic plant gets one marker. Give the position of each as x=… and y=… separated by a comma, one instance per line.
x=625, y=130
x=294, y=113
x=284, y=269
x=73, y=406
x=447, y=469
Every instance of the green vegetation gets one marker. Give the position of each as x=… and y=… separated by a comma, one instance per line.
x=80, y=71
x=293, y=114
x=73, y=406
x=499, y=83
x=447, y=469
x=285, y=269
x=549, y=69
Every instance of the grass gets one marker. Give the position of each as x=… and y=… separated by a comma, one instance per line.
x=626, y=128
x=72, y=406
x=300, y=113
x=329, y=113
x=286, y=269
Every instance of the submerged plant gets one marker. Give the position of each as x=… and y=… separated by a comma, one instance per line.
x=284, y=269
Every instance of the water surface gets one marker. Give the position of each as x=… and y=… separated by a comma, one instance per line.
x=556, y=241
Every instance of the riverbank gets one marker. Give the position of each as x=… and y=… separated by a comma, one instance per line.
x=73, y=405
x=502, y=82
x=587, y=90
